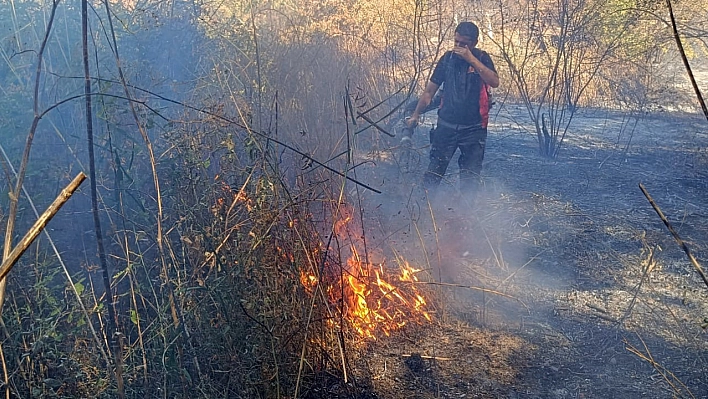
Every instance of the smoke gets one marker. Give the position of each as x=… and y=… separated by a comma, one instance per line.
x=479, y=247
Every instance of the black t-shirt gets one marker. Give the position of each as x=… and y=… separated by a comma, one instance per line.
x=465, y=99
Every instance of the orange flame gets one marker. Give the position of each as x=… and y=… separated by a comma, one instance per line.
x=308, y=281
x=375, y=304
x=372, y=298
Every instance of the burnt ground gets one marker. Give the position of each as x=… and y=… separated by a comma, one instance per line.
x=587, y=294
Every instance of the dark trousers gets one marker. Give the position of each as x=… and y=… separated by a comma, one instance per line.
x=445, y=140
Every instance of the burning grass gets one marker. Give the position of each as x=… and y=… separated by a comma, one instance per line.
x=374, y=300
x=287, y=298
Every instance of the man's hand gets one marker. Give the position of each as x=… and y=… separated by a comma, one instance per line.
x=423, y=101
x=412, y=121
x=465, y=53
x=488, y=76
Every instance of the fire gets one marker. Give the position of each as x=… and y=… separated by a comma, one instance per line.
x=229, y=198
x=308, y=281
x=378, y=300
x=373, y=299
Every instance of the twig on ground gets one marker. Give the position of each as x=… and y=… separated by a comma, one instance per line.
x=648, y=266
x=604, y=317
x=422, y=356
x=667, y=375
x=470, y=287
x=597, y=308
x=678, y=239
x=533, y=258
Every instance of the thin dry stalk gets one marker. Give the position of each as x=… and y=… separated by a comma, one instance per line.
x=319, y=288
x=648, y=266
x=259, y=82
x=177, y=312
x=4, y=371
x=528, y=262
x=471, y=287
x=437, y=238
x=425, y=357
x=109, y=300
x=304, y=346
x=38, y=226
x=686, y=64
x=336, y=217
x=15, y=193
x=99, y=345
x=310, y=311
x=498, y=255
x=674, y=233
x=670, y=378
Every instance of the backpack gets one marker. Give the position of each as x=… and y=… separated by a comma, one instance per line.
x=490, y=97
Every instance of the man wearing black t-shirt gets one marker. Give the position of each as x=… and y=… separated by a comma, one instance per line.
x=467, y=73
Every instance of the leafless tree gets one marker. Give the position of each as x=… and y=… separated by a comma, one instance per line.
x=553, y=51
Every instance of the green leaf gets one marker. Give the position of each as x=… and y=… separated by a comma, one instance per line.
x=79, y=288
x=134, y=316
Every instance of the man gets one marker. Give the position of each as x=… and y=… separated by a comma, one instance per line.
x=467, y=73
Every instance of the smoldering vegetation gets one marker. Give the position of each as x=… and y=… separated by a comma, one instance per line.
x=264, y=235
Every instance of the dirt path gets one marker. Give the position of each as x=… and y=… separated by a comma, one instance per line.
x=583, y=269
